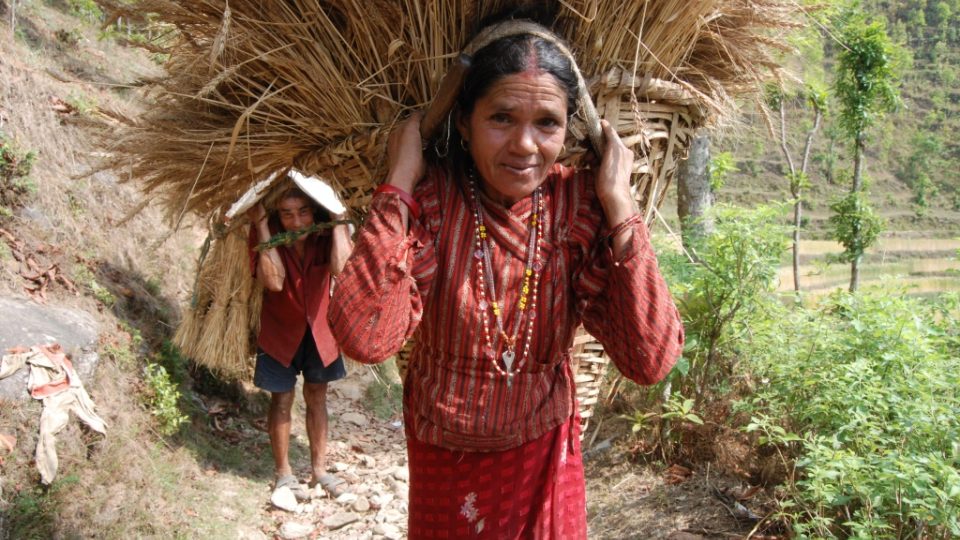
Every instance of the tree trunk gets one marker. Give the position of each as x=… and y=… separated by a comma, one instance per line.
x=798, y=204
x=857, y=186
x=694, y=196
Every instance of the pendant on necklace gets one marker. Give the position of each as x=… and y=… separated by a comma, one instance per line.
x=508, y=356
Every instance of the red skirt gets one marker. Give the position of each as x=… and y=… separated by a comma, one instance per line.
x=535, y=490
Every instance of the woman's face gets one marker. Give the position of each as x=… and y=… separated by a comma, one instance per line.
x=295, y=213
x=515, y=133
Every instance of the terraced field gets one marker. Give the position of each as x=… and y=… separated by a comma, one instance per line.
x=919, y=266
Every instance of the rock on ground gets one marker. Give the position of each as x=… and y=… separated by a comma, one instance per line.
x=24, y=323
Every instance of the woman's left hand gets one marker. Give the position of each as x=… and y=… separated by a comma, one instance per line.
x=613, y=178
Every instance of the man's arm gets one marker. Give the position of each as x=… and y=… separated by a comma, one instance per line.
x=270, y=271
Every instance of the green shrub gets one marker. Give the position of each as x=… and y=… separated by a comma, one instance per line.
x=872, y=385
x=719, y=168
x=31, y=509
x=736, y=268
x=173, y=361
x=854, y=224
x=16, y=186
x=82, y=103
x=84, y=277
x=163, y=398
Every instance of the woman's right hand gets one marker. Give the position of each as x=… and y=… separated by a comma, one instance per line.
x=405, y=154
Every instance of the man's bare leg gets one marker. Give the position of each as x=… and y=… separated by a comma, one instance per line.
x=315, y=396
x=278, y=427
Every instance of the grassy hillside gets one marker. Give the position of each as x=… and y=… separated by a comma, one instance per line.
x=913, y=160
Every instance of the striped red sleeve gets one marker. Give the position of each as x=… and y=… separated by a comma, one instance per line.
x=625, y=303
x=378, y=301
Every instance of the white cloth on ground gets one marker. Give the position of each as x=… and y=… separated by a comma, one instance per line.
x=54, y=381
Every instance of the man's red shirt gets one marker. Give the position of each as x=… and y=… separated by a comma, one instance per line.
x=302, y=302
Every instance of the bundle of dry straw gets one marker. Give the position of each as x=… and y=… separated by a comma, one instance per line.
x=255, y=87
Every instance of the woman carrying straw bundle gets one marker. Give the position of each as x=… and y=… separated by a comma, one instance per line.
x=294, y=335
x=495, y=254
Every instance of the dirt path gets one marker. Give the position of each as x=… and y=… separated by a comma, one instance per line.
x=625, y=499
x=366, y=451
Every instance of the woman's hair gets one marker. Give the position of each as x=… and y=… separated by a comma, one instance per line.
x=506, y=56
x=511, y=55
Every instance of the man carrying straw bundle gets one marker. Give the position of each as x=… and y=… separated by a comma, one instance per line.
x=494, y=254
x=294, y=336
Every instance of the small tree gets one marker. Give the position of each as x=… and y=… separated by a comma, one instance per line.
x=797, y=176
x=866, y=87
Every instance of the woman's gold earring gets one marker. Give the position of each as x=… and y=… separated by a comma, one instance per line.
x=463, y=145
x=563, y=148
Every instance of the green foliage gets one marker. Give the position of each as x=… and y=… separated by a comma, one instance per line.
x=920, y=166
x=83, y=103
x=681, y=410
x=720, y=166
x=32, y=509
x=85, y=278
x=163, y=399
x=798, y=181
x=736, y=266
x=85, y=9
x=868, y=390
x=867, y=74
x=16, y=186
x=173, y=361
x=828, y=159
x=122, y=355
x=818, y=96
x=153, y=286
x=660, y=429
x=854, y=224
x=287, y=238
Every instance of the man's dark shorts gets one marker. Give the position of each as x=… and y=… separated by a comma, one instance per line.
x=270, y=375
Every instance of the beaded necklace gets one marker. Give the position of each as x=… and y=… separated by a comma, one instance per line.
x=531, y=276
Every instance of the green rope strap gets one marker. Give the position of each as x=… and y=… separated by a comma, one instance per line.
x=289, y=237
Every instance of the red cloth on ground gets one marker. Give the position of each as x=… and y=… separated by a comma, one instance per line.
x=302, y=302
x=535, y=490
x=459, y=401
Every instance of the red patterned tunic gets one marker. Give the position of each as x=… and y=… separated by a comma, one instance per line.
x=426, y=281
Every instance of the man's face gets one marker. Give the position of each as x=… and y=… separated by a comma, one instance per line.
x=295, y=213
